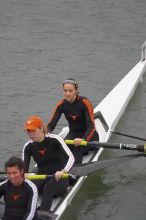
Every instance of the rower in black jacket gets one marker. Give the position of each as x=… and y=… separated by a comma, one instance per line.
x=51, y=155
x=78, y=112
x=20, y=195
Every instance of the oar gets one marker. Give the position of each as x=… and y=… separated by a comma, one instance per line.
x=96, y=144
x=128, y=135
x=33, y=171
x=33, y=176
x=2, y=172
x=88, y=168
x=44, y=176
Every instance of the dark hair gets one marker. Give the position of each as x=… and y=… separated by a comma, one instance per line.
x=71, y=81
x=14, y=161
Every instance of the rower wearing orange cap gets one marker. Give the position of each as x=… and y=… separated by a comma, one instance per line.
x=52, y=156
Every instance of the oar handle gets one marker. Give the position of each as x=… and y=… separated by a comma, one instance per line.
x=83, y=143
x=121, y=146
x=36, y=177
x=43, y=176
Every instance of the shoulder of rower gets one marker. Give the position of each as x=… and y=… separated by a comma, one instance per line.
x=60, y=103
x=54, y=138
x=85, y=101
x=29, y=185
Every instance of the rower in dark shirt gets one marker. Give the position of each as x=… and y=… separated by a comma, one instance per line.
x=49, y=154
x=52, y=156
x=78, y=112
x=20, y=195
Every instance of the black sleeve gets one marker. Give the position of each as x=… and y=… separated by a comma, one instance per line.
x=89, y=116
x=55, y=116
x=26, y=157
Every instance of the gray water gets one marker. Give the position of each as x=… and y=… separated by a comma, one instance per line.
x=97, y=42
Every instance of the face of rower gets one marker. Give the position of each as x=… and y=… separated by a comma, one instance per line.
x=36, y=135
x=15, y=175
x=70, y=92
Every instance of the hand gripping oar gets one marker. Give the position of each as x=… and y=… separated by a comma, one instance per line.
x=121, y=146
x=128, y=135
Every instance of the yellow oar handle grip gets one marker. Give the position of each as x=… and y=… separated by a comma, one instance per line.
x=65, y=176
x=43, y=176
x=36, y=177
x=83, y=143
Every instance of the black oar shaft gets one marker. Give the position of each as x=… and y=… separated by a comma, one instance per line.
x=128, y=135
x=96, y=144
x=120, y=146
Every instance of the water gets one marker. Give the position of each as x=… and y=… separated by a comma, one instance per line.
x=97, y=42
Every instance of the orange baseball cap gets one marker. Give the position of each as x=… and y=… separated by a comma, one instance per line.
x=33, y=122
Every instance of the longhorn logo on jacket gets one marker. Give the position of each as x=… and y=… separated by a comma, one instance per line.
x=74, y=117
x=15, y=197
x=42, y=151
